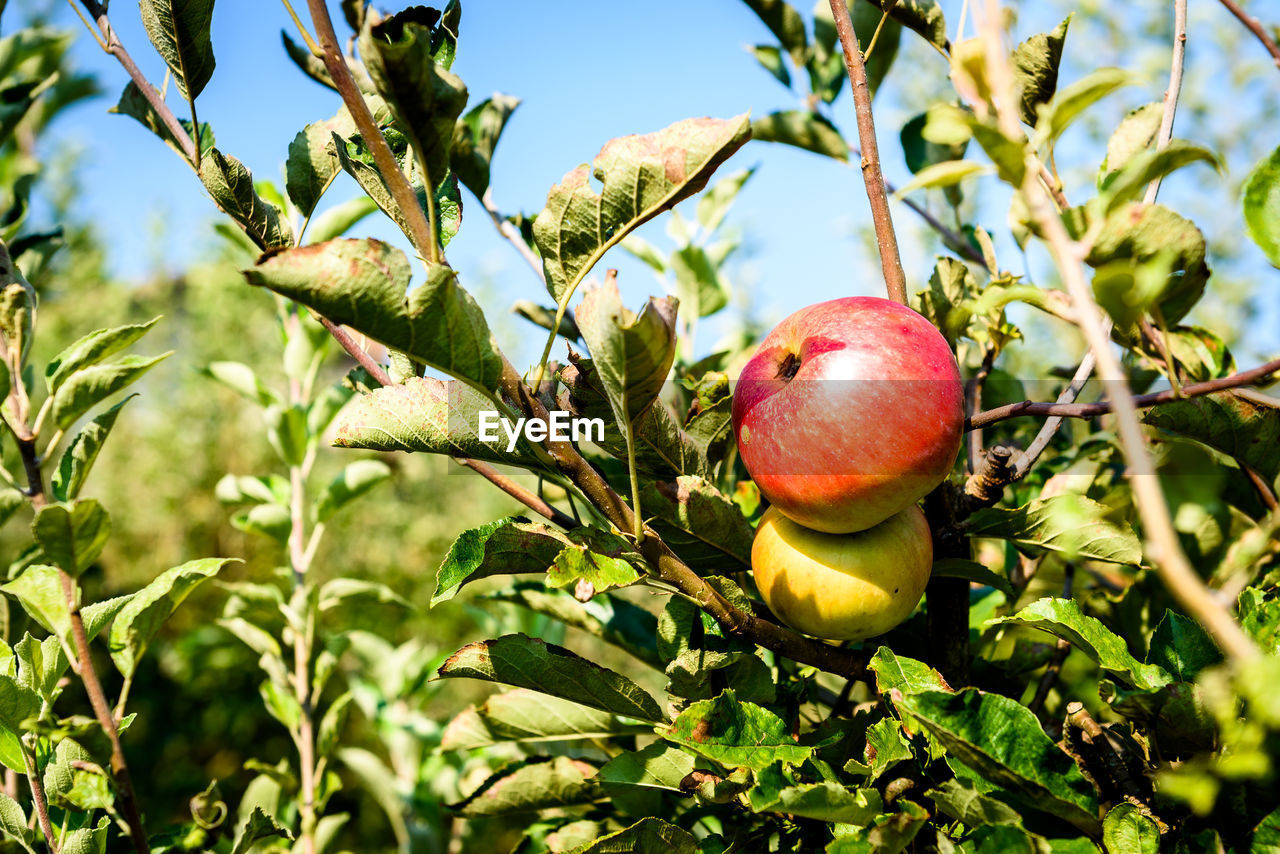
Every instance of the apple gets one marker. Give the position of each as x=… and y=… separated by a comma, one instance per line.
x=850, y=411
x=842, y=586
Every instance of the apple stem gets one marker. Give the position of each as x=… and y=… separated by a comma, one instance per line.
x=890, y=262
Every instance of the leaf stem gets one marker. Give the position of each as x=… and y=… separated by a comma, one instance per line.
x=1175, y=88
x=890, y=262
x=302, y=30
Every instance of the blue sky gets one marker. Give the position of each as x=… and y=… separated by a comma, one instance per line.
x=587, y=72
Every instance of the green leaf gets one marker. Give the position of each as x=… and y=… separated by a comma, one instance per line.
x=357, y=160
x=39, y=590
x=92, y=349
x=770, y=58
x=474, y=139
x=354, y=481
x=657, y=766
x=138, y=622
x=641, y=176
x=961, y=800
x=716, y=201
x=627, y=626
x=1064, y=619
x=257, y=827
x=1070, y=102
x=632, y=353
x=802, y=129
x=525, y=662
x=1072, y=524
x=785, y=23
x=532, y=785
x=13, y=821
x=179, y=30
x=735, y=734
x=1262, y=206
x=920, y=153
x=662, y=447
x=1127, y=831
x=923, y=16
x=267, y=520
x=400, y=53
x=699, y=286
x=363, y=284
x=1035, y=67
x=1135, y=134
x=945, y=174
x=1143, y=234
x=600, y=558
x=135, y=105
x=527, y=716
x=646, y=836
x=72, y=535
x=87, y=387
x=17, y=703
x=339, y=591
x=17, y=309
x=241, y=378
x=1002, y=740
x=698, y=522
x=312, y=162
x=60, y=773
x=428, y=416
x=1181, y=647
x=505, y=547
x=335, y=718
x=11, y=501
x=971, y=571
x=79, y=457
x=287, y=432
x=1237, y=427
x=700, y=674
x=43, y=664
x=885, y=748
x=1130, y=182
x=899, y=673
x=825, y=801
x=231, y=185
x=340, y=218
x=546, y=317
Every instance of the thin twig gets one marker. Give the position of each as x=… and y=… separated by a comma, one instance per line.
x=1254, y=26
x=1141, y=401
x=343, y=337
x=519, y=493
x=40, y=802
x=406, y=199
x=302, y=30
x=98, y=11
x=894, y=278
x=512, y=234
x=1060, y=652
x=973, y=402
x=1175, y=87
x=1263, y=489
x=1050, y=427
x=1163, y=546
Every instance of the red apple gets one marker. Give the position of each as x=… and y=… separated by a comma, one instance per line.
x=842, y=586
x=851, y=411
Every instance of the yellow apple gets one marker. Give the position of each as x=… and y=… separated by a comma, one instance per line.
x=842, y=586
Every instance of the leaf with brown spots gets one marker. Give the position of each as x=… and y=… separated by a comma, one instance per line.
x=640, y=176
x=735, y=734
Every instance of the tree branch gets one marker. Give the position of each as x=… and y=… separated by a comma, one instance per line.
x=1175, y=87
x=894, y=279
x=1255, y=27
x=1163, y=546
x=1141, y=401
x=512, y=234
x=420, y=231
x=113, y=46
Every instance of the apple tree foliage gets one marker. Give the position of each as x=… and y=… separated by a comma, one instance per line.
x=1063, y=701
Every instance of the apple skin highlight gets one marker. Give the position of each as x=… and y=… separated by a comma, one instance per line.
x=843, y=586
x=851, y=411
